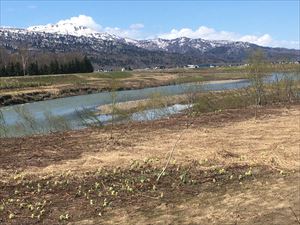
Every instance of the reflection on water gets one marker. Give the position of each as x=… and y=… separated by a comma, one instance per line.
x=154, y=114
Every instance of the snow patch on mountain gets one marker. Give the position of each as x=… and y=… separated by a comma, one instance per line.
x=68, y=29
x=77, y=26
x=179, y=45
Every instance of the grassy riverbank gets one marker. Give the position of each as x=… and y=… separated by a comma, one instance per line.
x=284, y=92
x=16, y=90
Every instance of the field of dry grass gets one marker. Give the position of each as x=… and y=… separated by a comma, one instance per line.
x=227, y=168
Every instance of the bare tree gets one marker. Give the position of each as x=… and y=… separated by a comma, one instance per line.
x=257, y=69
x=3, y=126
x=24, y=54
x=113, y=95
x=3, y=57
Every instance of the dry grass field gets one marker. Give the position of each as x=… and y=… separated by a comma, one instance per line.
x=228, y=168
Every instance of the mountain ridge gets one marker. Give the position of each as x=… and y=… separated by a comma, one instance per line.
x=113, y=51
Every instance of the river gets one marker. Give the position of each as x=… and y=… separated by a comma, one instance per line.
x=63, y=113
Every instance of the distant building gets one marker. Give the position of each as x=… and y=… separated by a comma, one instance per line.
x=192, y=66
x=126, y=68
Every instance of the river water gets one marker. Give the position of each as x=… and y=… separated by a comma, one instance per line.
x=67, y=113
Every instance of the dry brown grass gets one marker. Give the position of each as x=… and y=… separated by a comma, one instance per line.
x=215, y=140
x=259, y=202
x=272, y=140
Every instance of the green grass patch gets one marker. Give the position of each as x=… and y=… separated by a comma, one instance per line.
x=110, y=75
x=47, y=80
x=15, y=84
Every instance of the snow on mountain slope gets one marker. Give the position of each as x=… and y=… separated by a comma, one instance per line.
x=74, y=28
x=86, y=27
x=184, y=44
x=110, y=50
x=63, y=29
x=70, y=29
x=179, y=45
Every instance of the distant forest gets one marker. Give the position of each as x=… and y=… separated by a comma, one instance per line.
x=24, y=64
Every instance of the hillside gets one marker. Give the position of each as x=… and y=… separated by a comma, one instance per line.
x=108, y=50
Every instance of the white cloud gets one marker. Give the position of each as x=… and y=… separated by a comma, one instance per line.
x=212, y=34
x=264, y=40
x=82, y=20
x=201, y=32
x=133, y=31
x=125, y=33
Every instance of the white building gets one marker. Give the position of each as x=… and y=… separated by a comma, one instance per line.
x=192, y=66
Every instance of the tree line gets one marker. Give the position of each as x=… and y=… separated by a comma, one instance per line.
x=54, y=67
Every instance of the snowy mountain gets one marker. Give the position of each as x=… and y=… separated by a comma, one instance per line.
x=184, y=45
x=65, y=28
x=71, y=29
x=113, y=51
x=179, y=45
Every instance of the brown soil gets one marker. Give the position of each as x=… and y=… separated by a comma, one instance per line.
x=230, y=169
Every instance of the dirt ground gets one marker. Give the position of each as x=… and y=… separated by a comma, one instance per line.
x=228, y=168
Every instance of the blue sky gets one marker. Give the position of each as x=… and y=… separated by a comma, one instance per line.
x=269, y=23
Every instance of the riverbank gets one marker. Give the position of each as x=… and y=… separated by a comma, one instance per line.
x=158, y=100
x=59, y=86
x=19, y=90
x=230, y=166
x=140, y=105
